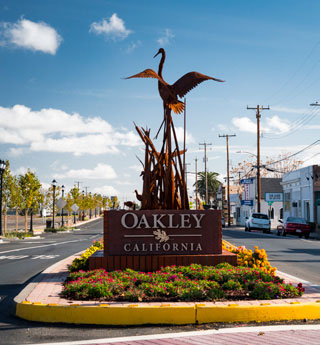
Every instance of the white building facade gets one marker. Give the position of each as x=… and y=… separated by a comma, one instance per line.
x=298, y=193
x=248, y=203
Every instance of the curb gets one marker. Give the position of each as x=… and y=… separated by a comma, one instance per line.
x=123, y=314
x=134, y=314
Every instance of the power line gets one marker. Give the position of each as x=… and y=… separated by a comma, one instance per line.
x=294, y=154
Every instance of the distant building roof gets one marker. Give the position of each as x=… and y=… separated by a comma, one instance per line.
x=270, y=185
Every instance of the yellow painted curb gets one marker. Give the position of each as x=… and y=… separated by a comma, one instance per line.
x=135, y=314
x=108, y=315
x=259, y=313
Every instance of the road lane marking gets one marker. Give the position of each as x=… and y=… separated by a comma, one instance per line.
x=45, y=245
x=32, y=257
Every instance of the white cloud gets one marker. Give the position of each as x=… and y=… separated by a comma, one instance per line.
x=133, y=46
x=30, y=35
x=100, y=172
x=114, y=28
x=54, y=130
x=273, y=124
x=16, y=151
x=22, y=170
x=106, y=190
x=244, y=124
x=290, y=110
x=180, y=134
x=136, y=167
x=165, y=39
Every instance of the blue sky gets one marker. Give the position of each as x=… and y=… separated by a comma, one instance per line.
x=66, y=112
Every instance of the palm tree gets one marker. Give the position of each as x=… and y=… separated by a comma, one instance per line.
x=213, y=185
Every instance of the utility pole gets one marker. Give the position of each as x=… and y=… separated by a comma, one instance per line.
x=258, y=108
x=78, y=183
x=227, y=136
x=196, y=170
x=205, y=168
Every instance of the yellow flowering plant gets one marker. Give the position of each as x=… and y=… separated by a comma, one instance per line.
x=248, y=258
x=82, y=263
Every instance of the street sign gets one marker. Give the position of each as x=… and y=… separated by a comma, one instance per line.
x=61, y=203
x=246, y=181
x=247, y=202
x=273, y=197
x=270, y=202
x=75, y=208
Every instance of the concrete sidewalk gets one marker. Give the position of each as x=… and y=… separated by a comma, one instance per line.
x=40, y=301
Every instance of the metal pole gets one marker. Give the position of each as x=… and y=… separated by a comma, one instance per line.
x=205, y=171
x=1, y=178
x=54, y=196
x=62, y=189
x=258, y=116
x=184, y=154
x=196, y=168
x=228, y=174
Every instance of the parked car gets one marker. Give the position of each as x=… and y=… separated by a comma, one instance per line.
x=258, y=221
x=294, y=225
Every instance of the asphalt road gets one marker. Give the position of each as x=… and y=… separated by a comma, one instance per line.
x=21, y=260
x=290, y=254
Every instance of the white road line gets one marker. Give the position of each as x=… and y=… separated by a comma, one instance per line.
x=257, y=330
x=46, y=245
x=298, y=279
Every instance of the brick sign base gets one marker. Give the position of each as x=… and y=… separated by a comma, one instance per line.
x=148, y=240
x=149, y=263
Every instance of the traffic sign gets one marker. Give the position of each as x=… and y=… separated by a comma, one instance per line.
x=270, y=202
x=61, y=203
x=75, y=208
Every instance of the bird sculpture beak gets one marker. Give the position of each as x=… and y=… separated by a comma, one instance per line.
x=157, y=54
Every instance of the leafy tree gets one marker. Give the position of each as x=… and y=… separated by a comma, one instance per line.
x=271, y=167
x=31, y=193
x=213, y=185
x=15, y=197
x=7, y=177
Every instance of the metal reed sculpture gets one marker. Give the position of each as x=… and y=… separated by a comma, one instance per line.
x=164, y=185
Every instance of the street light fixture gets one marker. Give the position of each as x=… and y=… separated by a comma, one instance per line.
x=250, y=153
x=54, y=184
x=62, y=189
x=2, y=169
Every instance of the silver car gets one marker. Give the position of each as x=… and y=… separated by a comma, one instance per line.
x=258, y=221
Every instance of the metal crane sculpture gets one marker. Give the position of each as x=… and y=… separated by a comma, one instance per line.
x=170, y=93
x=164, y=180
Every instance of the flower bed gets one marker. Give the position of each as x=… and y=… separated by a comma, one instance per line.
x=178, y=283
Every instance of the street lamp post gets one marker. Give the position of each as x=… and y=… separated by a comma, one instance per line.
x=2, y=169
x=62, y=222
x=54, y=184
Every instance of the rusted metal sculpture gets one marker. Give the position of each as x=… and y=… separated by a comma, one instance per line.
x=164, y=185
x=170, y=93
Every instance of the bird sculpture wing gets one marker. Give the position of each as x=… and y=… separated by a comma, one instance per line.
x=147, y=73
x=190, y=80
